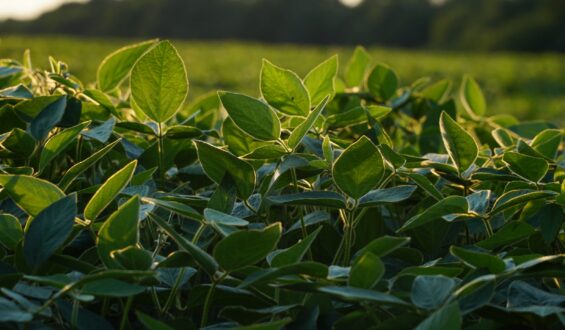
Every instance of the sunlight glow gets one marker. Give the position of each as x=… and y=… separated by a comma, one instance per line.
x=28, y=9
x=351, y=3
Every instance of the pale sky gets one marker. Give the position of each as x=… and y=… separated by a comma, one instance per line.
x=27, y=9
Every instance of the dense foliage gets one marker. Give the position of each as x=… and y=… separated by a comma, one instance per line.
x=518, y=25
x=345, y=202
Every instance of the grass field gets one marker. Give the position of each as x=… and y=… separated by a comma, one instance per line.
x=530, y=86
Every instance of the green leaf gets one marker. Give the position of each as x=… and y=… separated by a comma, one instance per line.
x=527, y=167
x=217, y=162
x=366, y=271
x=510, y=233
x=424, y=183
x=132, y=258
x=284, y=90
x=382, y=82
x=271, y=151
x=430, y=292
x=151, y=323
x=182, y=132
x=58, y=143
x=320, y=81
x=108, y=191
x=387, y=195
x=385, y=245
x=12, y=312
x=479, y=260
x=438, y=91
x=460, y=145
x=120, y=230
x=357, y=294
x=112, y=288
x=246, y=248
x=159, y=83
x=82, y=166
x=175, y=207
x=19, y=142
x=11, y=232
x=202, y=257
x=448, y=205
x=301, y=130
x=359, y=168
x=252, y=116
x=445, y=318
x=217, y=217
x=310, y=268
x=46, y=120
x=516, y=197
x=314, y=198
x=31, y=194
x=116, y=67
x=102, y=132
x=472, y=98
x=356, y=68
x=357, y=115
x=295, y=253
x=49, y=230
x=547, y=142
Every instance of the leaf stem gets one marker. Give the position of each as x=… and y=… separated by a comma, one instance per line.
x=161, y=151
x=208, y=301
x=125, y=314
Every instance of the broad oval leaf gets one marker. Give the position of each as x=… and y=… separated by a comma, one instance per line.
x=358, y=294
x=217, y=162
x=30, y=193
x=120, y=230
x=477, y=259
x=382, y=82
x=245, y=248
x=528, y=167
x=446, y=318
x=284, y=90
x=49, y=230
x=58, y=143
x=320, y=81
x=252, y=116
x=314, y=198
x=359, y=168
x=46, y=120
x=108, y=191
x=366, y=271
x=116, y=67
x=472, y=97
x=460, y=145
x=448, y=205
x=430, y=292
x=301, y=130
x=159, y=83
x=11, y=231
x=295, y=253
x=356, y=67
x=387, y=195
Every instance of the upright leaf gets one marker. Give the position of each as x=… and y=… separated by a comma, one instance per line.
x=46, y=120
x=430, y=292
x=217, y=162
x=245, y=248
x=472, y=97
x=359, y=168
x=366, y=271
x=48, y=231
x=58, y=143
x=320, y=81
x=10, y=231
x=159, y=83
x=284, y=90
x=252, y=116
x=116, y=67
x=460, y=145
x=356, y=68
x=108, y=191
x=30, y=193
x=301, y=130
x=382, y=82
x=120, y=230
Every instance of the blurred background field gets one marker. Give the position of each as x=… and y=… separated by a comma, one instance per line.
x=528, y=85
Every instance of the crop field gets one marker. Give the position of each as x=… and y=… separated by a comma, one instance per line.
x=530, y=86
x=351, y=194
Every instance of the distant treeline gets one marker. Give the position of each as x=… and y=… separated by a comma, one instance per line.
x=521, y=25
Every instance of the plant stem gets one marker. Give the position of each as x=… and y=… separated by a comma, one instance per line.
x=125, y=312
x=174, y=291
x=74, y=314
x=208, y=301
x=300, y=210
x=161, y=151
